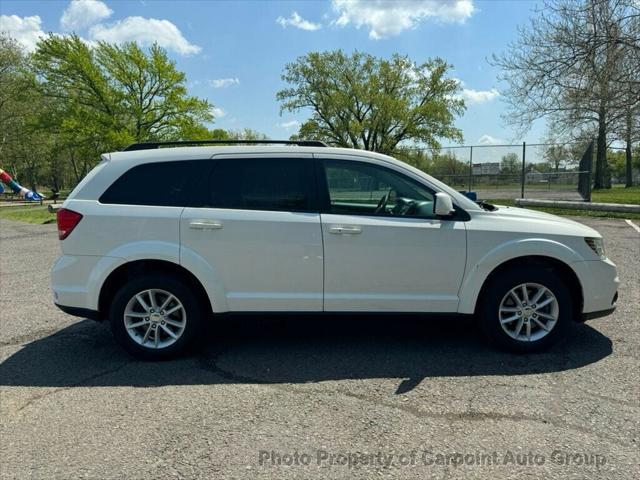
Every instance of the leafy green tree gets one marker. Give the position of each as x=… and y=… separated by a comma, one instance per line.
x=366, y=102
x=510, y=164
x=555, y=155
x=120, y=93
x=246, y=134
x=617, y=160
x=24, y=151
x=151, y=93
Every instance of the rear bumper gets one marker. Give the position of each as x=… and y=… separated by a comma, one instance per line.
x=79, y=312
x=76, y=280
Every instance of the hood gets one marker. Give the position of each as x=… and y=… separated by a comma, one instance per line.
x=534, y=220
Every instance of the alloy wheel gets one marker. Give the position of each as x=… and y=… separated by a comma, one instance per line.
x=155, y=318
x=528, y=312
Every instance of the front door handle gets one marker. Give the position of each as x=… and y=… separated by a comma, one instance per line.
x=345, y=229
x=205, y=224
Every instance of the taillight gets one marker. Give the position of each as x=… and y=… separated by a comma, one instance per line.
x=67, y=221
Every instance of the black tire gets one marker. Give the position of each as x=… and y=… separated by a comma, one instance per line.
x=192, y=307
x=497, y=289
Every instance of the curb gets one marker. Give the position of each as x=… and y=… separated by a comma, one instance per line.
x=603, y=207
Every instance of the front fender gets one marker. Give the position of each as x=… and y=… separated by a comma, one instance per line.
x=478, y=272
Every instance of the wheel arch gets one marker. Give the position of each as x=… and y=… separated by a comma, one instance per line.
x=564, y=270
x=134, y=268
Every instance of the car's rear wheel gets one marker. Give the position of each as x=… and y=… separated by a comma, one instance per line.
x=526, y=309
x=155, y=317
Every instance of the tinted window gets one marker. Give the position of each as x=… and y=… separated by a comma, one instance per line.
x=366, y=189
x=161, y=184
x=262, y=184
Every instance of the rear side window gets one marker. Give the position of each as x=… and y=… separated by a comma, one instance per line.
x=166, y=184
x=281, y=184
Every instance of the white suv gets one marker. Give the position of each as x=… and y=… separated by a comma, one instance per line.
x=161, y=240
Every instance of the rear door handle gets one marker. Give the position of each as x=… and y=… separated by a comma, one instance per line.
x=342, y=229
x=205, y=224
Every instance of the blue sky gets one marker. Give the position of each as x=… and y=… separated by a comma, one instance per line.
x=233, y=52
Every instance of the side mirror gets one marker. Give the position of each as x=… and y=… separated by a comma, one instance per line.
x=443, y=205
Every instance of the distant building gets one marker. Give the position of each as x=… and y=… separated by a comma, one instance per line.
x=490, y=168
x=535, y=177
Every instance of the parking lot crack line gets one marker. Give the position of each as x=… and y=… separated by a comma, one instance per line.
x=470, y=415
x=81, y=383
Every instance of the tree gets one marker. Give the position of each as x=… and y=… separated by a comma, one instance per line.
x=510, y=164
x=24, y=151
x=627, y=128
x=245, y=134
x=361, y=101
x=566, y=65
x=121, y=93
x=12, y=60
x=555, y=155
x=151, y=92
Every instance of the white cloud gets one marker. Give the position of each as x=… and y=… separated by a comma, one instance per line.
x=145, y=31
x=297, y=21
x=489, y=140
x=83, y=13
x=386, y=18
x=25, y=30
x=224, y=82
x=291, y=124
x=218, y=112
x=473, y=97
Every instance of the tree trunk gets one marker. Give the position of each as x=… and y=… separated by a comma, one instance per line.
x=629, y=166
x=629, y=169
x=601, y=152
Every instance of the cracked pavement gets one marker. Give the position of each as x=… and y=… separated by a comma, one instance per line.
x=312, y=397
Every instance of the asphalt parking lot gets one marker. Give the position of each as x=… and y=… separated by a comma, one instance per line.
x=313, y=397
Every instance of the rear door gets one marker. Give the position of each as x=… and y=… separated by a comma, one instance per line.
x=258, y=227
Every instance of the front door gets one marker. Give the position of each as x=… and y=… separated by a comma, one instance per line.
x=384, y=248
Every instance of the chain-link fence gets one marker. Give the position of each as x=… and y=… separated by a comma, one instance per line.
x=617, y=164
x=499, y=172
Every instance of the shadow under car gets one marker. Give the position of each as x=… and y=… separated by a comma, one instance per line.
x=294, y=349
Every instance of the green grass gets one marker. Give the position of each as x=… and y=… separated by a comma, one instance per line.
x=62, y=194
x=36, y=214
x=571, y=211
x=617, y=194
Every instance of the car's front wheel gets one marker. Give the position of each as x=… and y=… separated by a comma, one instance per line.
x=526, y=309
x=155, y=317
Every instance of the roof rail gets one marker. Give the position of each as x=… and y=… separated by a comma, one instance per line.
x=178, y=143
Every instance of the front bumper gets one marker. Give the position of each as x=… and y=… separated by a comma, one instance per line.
x=599, y=279
x=602, y=313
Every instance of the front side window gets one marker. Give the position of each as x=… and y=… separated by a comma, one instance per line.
x=166, y=184
x=366, y=189
x=280, y=184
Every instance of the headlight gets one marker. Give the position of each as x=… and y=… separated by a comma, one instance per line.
x=597, y=245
